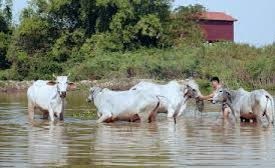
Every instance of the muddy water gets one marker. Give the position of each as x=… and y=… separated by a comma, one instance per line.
x=196, y=140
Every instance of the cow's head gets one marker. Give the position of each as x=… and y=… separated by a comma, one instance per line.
x=62, y=85
x=221, y=95
x=93, y=92
x=192, y=89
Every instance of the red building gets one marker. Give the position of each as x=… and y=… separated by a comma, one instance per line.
x=217, y=26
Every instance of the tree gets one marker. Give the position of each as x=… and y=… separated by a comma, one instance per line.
x=5, y=31
x=7, y=11
x=53, y=33
x=137, y=22
x=183, y=26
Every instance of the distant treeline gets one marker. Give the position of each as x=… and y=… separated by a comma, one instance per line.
x=103, y=39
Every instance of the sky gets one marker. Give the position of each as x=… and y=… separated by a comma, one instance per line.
x=256, y=18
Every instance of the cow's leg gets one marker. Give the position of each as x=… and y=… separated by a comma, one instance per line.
x=134, y=118
x=31, y=110
x=45, y=114
x=253, y=117
x=255, y=112
x=153, y=113
x=110, y=120
x=268, y=119
x=237, y=115
x=51, y=113
x=265, y=108
x=243, y=119
x=127, y=117
x=226, y=112
x=254, y=120
x=182, y=108
x=152, y=118
x=104, y=117
x=99, y=114
x=171, y=112
x=247, y=117
x=61, y=116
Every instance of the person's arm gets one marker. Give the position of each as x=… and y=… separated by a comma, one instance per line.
x=208, y=97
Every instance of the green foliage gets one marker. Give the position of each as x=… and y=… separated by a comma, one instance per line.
x=135, y=23
x=86, y=115
x=54, y=34
x=185, y=24
x=7, y=11
x=5, y=31
x=4, y=42
x=239, y=65
x=153, y=63
x=5, y=15
x=3, y=24
x=32, y=35
x=102, y=42
x=66, y=44
x=104, y=39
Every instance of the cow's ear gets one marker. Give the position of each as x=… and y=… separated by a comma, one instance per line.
x=185, y=91
x=71, y=86
x=227, y=93
x=229, y=96
x=51, y=83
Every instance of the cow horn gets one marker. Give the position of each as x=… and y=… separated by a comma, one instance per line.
x=69, y=74
x=54, y=76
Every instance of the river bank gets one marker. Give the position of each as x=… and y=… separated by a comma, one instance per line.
x=11, y=86
x=114, y=84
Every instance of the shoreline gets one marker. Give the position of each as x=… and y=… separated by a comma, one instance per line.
x=11, y=86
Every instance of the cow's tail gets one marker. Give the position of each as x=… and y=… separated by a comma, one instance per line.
x=270, y=99
x=273, y=110
x=154, y=111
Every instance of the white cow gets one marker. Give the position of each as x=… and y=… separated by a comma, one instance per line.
x=48, y=96
x=176, y=94
x=246, y=104
x=122, y=105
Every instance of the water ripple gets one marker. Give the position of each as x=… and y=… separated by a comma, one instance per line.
x=195, y=141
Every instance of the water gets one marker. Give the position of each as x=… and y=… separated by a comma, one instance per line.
x=196, y=140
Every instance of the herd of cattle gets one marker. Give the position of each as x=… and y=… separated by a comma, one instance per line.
x=148, y=98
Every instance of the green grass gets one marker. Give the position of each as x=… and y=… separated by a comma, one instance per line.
x=237, y=65
x=87, y=115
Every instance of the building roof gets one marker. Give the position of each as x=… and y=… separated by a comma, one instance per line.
x=216, y=16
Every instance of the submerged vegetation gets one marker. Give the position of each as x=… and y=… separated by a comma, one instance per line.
x=86, y=115
x=107, y=39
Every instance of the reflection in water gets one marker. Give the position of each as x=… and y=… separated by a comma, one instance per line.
x=46, y=144
x=134, y=144
x=196, y=140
